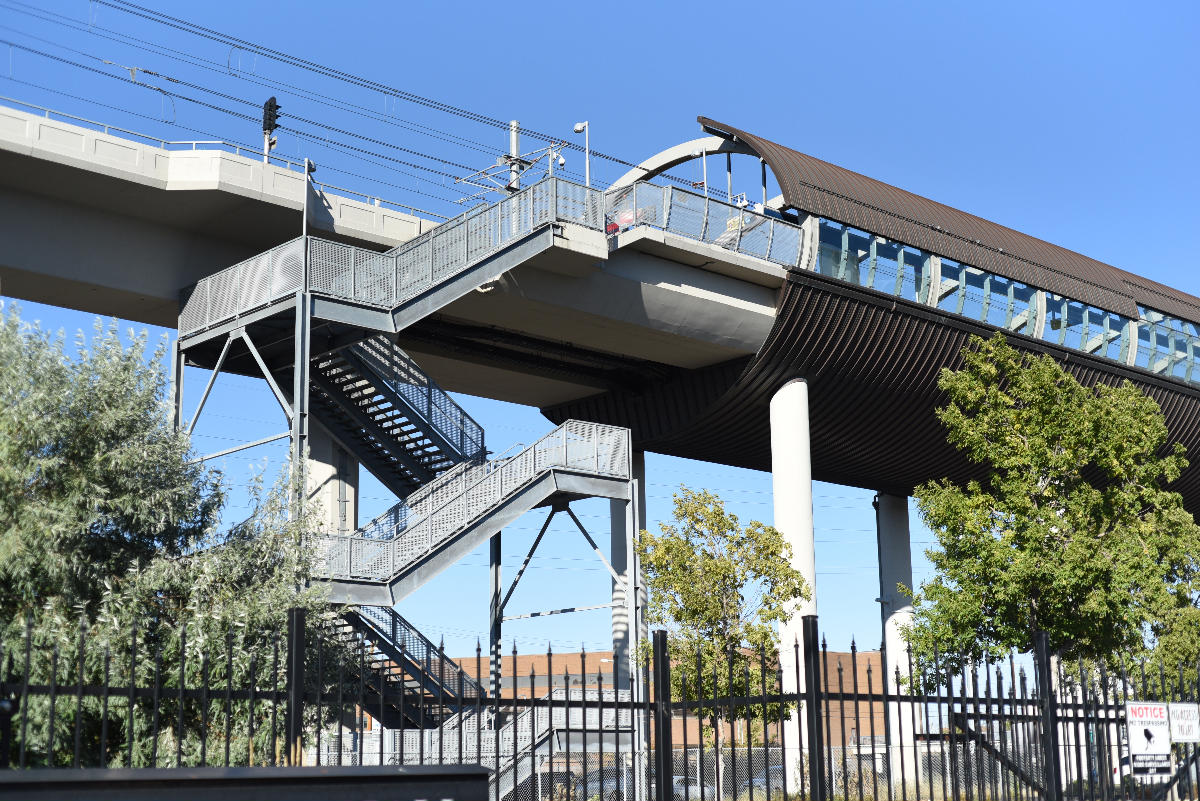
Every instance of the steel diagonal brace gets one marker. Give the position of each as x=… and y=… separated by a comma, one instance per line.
x=553, y=511
x=616, y=577
x=211, y=380
x=243, y=447
x=287, y=407
x=563, y=611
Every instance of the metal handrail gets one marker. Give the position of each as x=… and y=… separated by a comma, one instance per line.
x=647, y=204
x=390, y=623
x=471, y=493
x=378, y=521
x=546, y=720
x=390, y=279
x=386, y=358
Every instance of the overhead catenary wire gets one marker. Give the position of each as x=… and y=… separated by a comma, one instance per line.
x=244, y=145
x=235, y=99
x=341, y=75
x=214, y=66
x=327, y=141
x=93, y=29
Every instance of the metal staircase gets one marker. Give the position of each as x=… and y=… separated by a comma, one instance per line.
x=397, y=644
x=388, y=693
x=422, y=535
x=511, y=749
x=399, y=424
x=388, y=291
x=406, y=431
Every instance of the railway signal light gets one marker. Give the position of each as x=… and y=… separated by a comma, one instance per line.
x=270, y=115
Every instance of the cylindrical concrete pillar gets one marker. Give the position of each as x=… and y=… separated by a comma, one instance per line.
x=895, y=569
x=791, y=488
x=332, y=481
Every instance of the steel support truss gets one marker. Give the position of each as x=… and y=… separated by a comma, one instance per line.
x=295, y=412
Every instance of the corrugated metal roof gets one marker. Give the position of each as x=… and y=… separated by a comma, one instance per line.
x=833, y=192
x=872, y=363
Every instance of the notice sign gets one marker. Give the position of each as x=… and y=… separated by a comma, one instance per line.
x=1149, y=738
x=1185, y=723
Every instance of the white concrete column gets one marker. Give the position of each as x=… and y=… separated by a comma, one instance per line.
x=895, y=568
x=791, y=488
x=332, y=474
x=626, y=521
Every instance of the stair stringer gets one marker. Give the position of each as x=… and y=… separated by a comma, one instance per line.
x=490, y=268
x=421, y=473
x=416, y=416
x=554, y=485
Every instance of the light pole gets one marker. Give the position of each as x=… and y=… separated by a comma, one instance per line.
x=309, y=169
x=585, y=129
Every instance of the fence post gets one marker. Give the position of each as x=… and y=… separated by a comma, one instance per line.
x=812, y=704
x=1049, y=712
x=8, y=708
x=664, y=766
x=295, y=686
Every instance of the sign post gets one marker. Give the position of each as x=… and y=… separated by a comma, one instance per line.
x=1149, y=733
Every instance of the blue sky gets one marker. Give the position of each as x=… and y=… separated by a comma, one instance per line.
x=1073, y=122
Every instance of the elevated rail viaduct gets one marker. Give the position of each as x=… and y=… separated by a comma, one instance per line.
x=801, y=335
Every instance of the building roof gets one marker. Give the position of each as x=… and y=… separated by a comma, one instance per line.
x=836, y=193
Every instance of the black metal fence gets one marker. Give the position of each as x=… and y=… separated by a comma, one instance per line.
x=804, y=723
x=1030, y=727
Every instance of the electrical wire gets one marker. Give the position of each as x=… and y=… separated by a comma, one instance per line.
x=235, y=99
x=346, y=148
x=214, y=136
x=214, y=66
x=330, y=72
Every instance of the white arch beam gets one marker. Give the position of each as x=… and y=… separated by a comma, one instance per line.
x=674, y=156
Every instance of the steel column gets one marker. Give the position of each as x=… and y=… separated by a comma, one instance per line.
x=300, y=384
x=177, y=365
x=495, y=614
x=812, y=709
x=294, y=717
x=663, y=752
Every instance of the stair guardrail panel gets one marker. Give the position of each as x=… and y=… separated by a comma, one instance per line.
x=496, y=745
x=389, y=279
x=244, y=287
x=446, y=506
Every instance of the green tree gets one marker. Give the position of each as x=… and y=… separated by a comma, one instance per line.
x=1073, y=530
x=721, y=590
x=109, y=537
x=92, y=477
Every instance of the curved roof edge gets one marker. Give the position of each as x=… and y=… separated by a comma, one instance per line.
x=824, y=189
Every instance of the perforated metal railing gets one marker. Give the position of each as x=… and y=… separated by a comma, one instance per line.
x=245, y=286
x=436, y=513
x=425, y=398
x=421, y=650
x=387, y=280
x=735, y=228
